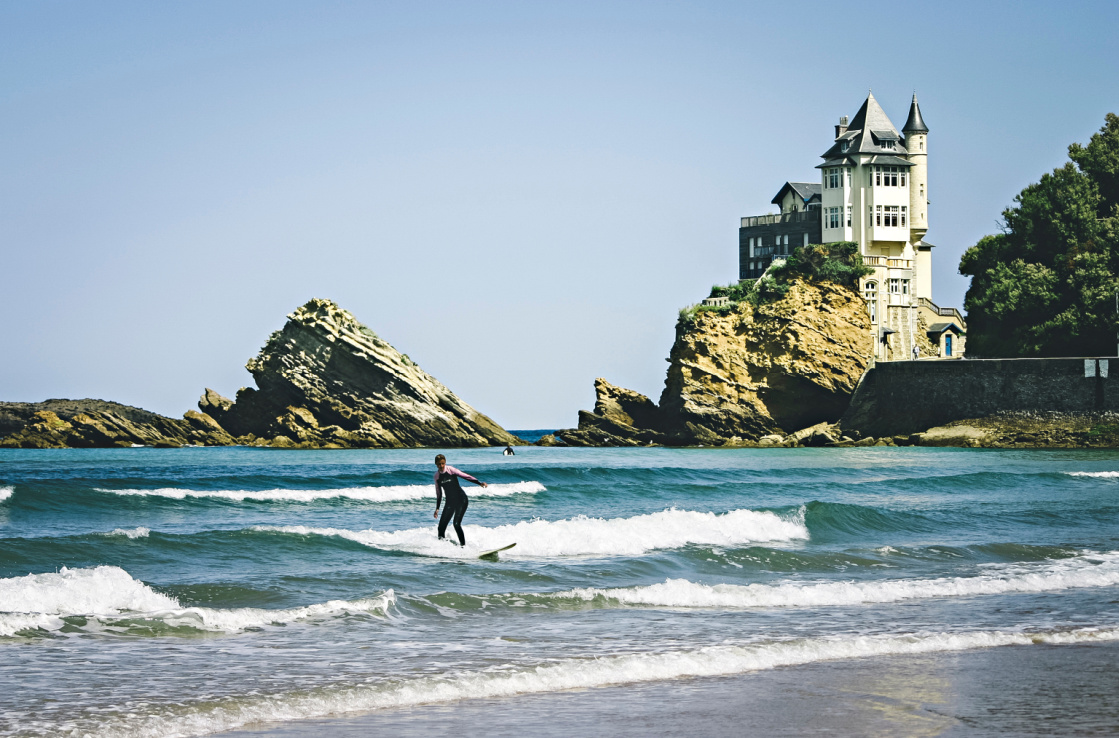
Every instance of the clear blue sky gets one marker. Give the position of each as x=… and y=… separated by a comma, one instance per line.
x=518, y=195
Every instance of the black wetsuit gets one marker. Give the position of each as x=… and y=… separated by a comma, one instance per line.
x=456, y=505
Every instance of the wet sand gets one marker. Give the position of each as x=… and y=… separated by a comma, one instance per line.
x=1017, y=690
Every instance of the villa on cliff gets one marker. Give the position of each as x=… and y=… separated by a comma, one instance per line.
x=873, y=190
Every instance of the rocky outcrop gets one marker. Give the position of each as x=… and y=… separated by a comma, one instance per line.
x=739, y=374
x=327, y=381
x=100, y=424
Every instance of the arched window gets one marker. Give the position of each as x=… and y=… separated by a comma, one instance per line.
x=870, y=292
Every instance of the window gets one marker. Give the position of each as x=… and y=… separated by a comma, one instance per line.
x=895, y=286
x=848, y=176
x=843, y=145
x=878, y=216
x=922, y=143
x=905, y=286
x=848, y=216
x=922, y=189
x=834, y=178
x=833, y=218
x=870, y=292
x=887, y=145
x=889, y=216
x=903, y=212
x=889, y=176
x=751, y=248
x=805, y=239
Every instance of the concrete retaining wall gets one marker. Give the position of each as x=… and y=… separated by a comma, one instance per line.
x=903, y=397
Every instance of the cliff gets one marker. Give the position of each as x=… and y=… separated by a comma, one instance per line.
x=327, y=381
x=741, y=373
x=101, y=424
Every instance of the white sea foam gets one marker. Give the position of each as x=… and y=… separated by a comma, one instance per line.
x=140, y=532
x=584, y=536
x=6, y=492
x=211, y=716
x=1099, y=474
x=107, y=596
x=362, y=494
x=1089, y=570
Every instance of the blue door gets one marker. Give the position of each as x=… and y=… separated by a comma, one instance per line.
x=947, y=344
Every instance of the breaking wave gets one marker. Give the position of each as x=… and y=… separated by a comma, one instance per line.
x=140, y=532
x=584, y=536
x=361, y=494
x=108, y=598
x=1089, y=570
x=1099, y=474
x=6, y=492
x=211, y=716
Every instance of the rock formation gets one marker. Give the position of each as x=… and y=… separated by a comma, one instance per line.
x=742, y=373
x=327, y=381
x=100, y=424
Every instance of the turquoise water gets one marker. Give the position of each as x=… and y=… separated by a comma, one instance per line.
x=148, y=592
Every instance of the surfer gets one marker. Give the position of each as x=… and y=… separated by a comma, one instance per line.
x=508, y=451
x=446, y=481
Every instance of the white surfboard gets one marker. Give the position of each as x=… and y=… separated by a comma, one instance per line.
x=492, y=555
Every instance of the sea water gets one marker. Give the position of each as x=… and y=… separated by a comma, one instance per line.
x=157, y=592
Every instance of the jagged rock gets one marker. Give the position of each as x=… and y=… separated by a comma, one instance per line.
x=779, y=367
x=214, y=404
x=738, y=375
x=624, y=406
x=326, y=380
x=100, y=424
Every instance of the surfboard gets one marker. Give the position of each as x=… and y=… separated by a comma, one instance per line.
x=492, y=555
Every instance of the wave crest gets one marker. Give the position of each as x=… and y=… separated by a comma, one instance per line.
x=1090, y=570
x=584, y=536
x=361, y=494
x=107, y=597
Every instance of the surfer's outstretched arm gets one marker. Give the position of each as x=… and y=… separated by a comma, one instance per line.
x=463, y=475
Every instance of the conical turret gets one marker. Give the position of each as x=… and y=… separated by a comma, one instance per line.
x=915, y=124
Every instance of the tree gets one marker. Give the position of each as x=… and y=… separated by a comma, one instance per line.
x=1045, y=286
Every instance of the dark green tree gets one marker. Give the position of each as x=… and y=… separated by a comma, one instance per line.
x=1046, y=285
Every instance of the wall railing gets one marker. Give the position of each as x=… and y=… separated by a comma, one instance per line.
x=806, y=216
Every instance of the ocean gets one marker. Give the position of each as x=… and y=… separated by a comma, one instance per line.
x=651, y=592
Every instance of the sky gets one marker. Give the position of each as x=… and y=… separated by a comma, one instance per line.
x=519, y=195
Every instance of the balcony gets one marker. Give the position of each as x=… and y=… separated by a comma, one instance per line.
x=886, y=261
x=807, y=216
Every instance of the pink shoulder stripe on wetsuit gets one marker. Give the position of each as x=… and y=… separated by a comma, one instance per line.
x=448, y=469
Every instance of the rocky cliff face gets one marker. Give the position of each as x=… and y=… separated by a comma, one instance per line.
x=100, y=424
x=738, y=375
x=327, y=381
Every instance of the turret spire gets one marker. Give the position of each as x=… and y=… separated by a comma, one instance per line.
x=915, y=124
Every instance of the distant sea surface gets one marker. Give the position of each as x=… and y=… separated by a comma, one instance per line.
x=652, y=592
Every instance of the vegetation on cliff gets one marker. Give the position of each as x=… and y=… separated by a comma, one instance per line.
x=1046, y=285
x=838, y=262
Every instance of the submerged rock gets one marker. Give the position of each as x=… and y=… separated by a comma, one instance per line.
x=327, y=381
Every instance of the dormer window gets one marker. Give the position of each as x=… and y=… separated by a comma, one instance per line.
x=843, y=145
x=888, y=145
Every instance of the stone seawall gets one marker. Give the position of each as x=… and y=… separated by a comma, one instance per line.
x=902, y=397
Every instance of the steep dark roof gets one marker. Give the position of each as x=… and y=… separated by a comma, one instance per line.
x=914, y=123
x=804, y=190
x=867, y=131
